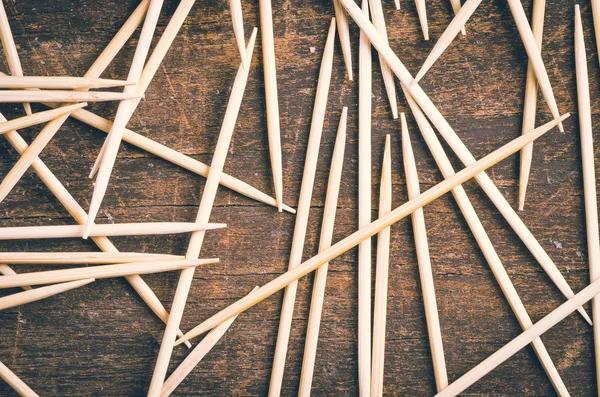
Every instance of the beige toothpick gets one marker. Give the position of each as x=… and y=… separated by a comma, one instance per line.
x=99, y=272
x=589, y=175
x=306, y=189
x=58, y=82
x=62, y=96
x=33, y=295
x=373, y=228
x=318, y=292
x=10, y=49
x=486, y=246
x=530, y=102
x=424, y=263
x=456, y=8
x=8, y=271
x=422, y=11
x=270, y=73
x=204, y=210
x=235, y=7
x=108, y=230
x=195, y=356
x=381, y=275
x=15, y=382
x=344, y=35
x=388, y=77
x=37, y=118
x=72, y=258
x=461, y=150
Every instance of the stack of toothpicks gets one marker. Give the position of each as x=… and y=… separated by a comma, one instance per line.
x=397, y=180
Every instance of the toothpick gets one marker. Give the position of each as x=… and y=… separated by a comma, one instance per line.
x=270, y=73
x=58, y=82
x=457, y=23
x=100, y=272
x=514, y=346
x=7, y=271
x=373, y=228
x=381, y=275
x=344, y=34
x=535, y=57
x=318, y=292
x=530, y=102
x=37, y=118
x=21, y=298
x=487, y=248
x=107, y=230
x=72, y=258
x=589, y=175
x=195, y=356
x=15, y=382
x=235, y=7
x=62, y=96
x=422, y=11
x=424, y=262
x=456, y=8
x=124, y=113
x=365, y=83
x=306, y=189
x=204, y=210
x=461, y=150
x=10, y=49
x=388, y=77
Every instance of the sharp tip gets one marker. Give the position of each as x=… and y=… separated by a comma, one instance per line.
x=560, y=127
x=188, y=344
x=585, y=315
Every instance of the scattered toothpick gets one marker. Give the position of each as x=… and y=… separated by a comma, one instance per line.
x=33, y=295
x=15, y=382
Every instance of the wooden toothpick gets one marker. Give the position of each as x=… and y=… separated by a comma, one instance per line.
x=422, y=11
x=344, y=34
x=488, y=250
x=589, y=175
x=15, y=382
x=58, y=82
x=72, y=258
x=33, y=295
x=381, y=275
x=306, y=189
x=318, y=292
x=37, y=118
x=235, y=7
x=62, y=96
x=373, y=228
x=456, y=8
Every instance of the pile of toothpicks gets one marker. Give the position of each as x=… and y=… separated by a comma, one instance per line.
x=68, y=96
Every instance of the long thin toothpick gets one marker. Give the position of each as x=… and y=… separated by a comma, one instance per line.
x=62, y=96
x=37, y=118
x=381, y=275
x=373, y=228
x=58, y=82
x=235, y=7
x=318, y=293
x=15, y=382
x=344, y=33
x=308, y=180
x=71, y=258
x=589, y=175
x=422, y=11
x=530, y=102
x=456, y=8
x=33, y=295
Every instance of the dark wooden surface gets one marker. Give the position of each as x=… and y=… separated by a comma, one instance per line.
x=102, y=340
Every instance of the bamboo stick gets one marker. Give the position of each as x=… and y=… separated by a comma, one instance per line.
x=306, y=189
x=204, y=210
x=318, y=292
x=107, y=230
x=461, y=151
x=10, y=49
x=422, y=11
x=270, y=73
x=100, y=272
x=589, y=176
x=58, y=82
x=21, y=298
x=235, y=7
x=7, y=271
x=73, y=258
x=365, y=232
x=37, y=118
x=514, y=346
x=195, y=356
x=344, y=34
x=424, y=262
x=124, y=113
x=535, y=56
x=365, y=83
x=62, y=194
x=388, y=77
x=30, y=154
x=62, y=96
x=530, y=102
x=381, y=275
x=456, y=8
x=15, y=382
x=457, y=23
x=486, y=247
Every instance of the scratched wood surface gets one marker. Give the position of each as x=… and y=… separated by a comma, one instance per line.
x=102, y=340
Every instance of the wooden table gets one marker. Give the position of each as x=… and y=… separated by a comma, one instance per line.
x=102, y=340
